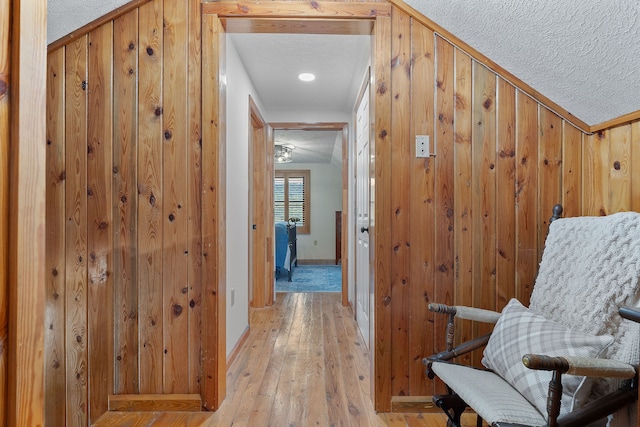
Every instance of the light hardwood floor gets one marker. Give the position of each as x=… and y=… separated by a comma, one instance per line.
x=305, y=364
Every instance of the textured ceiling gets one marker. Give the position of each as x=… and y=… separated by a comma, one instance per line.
x=582, y=54
x=65, y=16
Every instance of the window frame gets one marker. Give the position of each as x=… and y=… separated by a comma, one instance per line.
x=305, y=174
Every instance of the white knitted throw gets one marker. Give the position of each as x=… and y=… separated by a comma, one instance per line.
x=590, y=267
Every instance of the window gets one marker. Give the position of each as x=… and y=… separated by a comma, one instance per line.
x=291, y=198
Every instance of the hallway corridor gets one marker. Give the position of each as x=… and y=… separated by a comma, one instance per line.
x=305, y=365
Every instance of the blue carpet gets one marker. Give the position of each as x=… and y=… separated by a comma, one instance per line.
x=312, y=278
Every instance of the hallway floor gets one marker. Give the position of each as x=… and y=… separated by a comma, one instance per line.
x=304, y=364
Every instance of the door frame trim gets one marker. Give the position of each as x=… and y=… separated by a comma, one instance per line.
x=261, y=167
x=311, y=18
x=344, y=128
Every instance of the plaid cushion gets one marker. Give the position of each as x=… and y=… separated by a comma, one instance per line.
x=518, y=332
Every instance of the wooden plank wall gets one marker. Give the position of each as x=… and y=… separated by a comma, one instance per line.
x=123, y=211
x=468, y=225
x=5, y=150
x=23, y=86
x=125, y=255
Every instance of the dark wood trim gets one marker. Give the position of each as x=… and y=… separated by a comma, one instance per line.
x=63, y=41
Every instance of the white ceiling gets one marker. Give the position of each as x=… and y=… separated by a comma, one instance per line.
x=317, y=146
x=582, y=54
x=273, y=62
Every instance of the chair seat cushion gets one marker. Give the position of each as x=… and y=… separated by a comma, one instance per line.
x=520, y=331
x=489, y=395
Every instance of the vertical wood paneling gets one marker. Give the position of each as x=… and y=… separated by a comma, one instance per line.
x=443, y=189
x=596, y=174
x=194, y=170
x=76, y=232
x=484, y=192
x=125, y=203
x=505, y=194
x=571, y=171
x=421, y=208
x=213, y=212
x=526, y=195
x=635, y=171
x=25, y=52
x=620, y=169
x=55, y=292
x=401, y=281
x=174, y=218
x=550, y=171
x=5, y=149
x=131, y=170
x=463, y=178
x=150, y=201
x=99, y=220
x=481, y=212
x=381, y=246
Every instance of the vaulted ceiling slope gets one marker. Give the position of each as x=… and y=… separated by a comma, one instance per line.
x=584, y=55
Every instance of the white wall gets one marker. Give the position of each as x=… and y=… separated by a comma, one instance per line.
x=326, y=199
x=239, y=87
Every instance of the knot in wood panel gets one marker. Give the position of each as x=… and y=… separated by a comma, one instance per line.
x=177, y=310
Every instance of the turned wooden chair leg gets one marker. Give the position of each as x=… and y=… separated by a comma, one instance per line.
x=452, y=406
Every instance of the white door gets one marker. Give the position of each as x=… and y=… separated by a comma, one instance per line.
x=362, y=218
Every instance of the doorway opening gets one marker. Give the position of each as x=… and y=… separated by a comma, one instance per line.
x=216, y=21
x=328, y=193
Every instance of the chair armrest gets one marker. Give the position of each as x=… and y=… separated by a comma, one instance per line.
x=468, y=313
x=445, y=356
x=465, y=347
x=583, y=366
x=629, y=313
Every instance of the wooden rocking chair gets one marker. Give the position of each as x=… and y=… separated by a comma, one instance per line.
x=569, y=359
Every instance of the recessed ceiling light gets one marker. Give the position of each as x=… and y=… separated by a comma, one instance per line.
x=306, y=77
